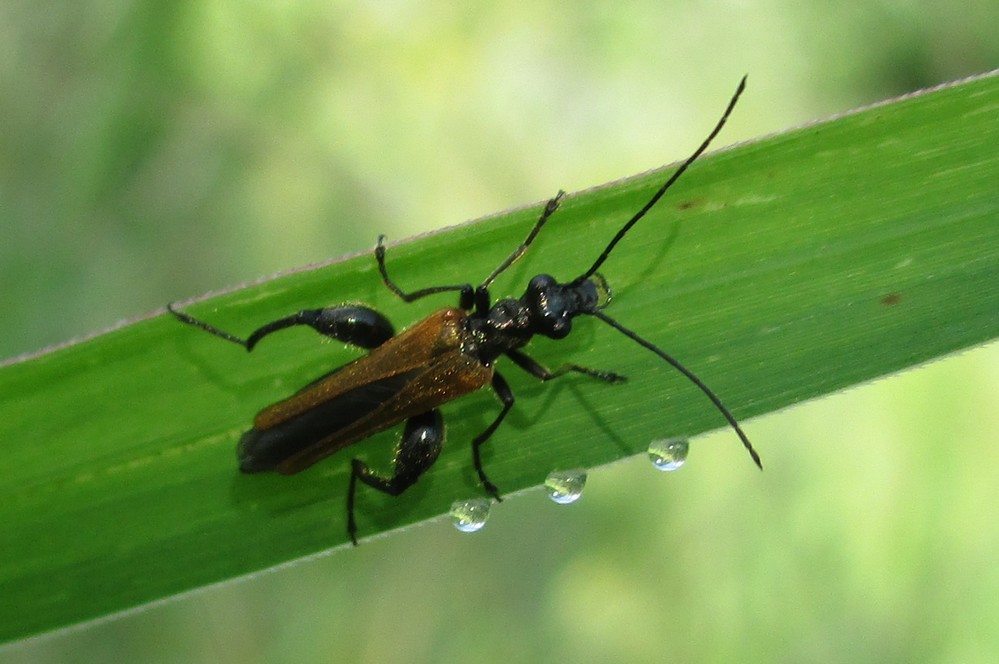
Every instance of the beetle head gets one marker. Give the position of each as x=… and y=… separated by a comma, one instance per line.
x=552, y=305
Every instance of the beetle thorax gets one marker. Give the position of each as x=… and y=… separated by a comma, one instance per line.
x=546, y=308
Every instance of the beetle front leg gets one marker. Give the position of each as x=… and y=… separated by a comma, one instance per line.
x=531, y=366
x=352, y=324
x=421, y=444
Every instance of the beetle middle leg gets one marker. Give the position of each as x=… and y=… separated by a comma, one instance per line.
x=469, y=297
x=352, y=324
x=505, y=394
x=421, y=444
x=466, y=298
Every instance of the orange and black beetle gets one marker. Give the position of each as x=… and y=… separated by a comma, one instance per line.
x=407, y=377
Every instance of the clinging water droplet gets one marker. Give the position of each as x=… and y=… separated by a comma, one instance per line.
x=668, y=454
x=565, y=486
x=469, y=516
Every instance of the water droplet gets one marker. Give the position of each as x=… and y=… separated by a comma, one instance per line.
x=669, y=454
x=470, y=515
x=565, y=486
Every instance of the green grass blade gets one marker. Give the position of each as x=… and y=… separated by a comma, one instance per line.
x=777, y=271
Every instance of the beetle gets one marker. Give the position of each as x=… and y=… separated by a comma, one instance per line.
x=407, y=377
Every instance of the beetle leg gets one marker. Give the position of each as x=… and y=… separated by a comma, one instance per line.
x=467, y=293
x=418, y=449
x=531, y=366
x=353, y=324
x=505, y=394
x=550, y=208
x=469, y=296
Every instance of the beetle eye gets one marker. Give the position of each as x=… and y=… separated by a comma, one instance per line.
x=560, y=327
x=539, y=288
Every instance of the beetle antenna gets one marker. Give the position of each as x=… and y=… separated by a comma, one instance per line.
x=662, y=190
x=690, y=375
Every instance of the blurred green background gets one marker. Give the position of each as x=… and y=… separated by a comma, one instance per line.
x=152, y=151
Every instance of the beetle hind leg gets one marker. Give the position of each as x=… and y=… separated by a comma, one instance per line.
x=351, y=323
x=421, y=444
